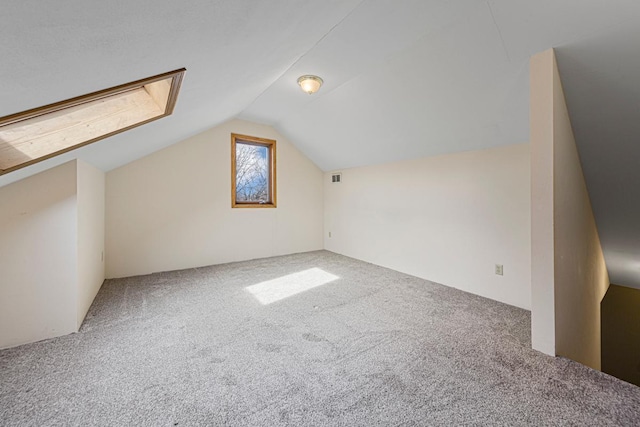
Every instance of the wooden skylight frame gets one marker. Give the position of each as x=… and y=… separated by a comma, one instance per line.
x=41, y=133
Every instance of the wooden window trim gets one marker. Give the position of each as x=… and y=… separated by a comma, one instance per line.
x=271, y=146
x=167, y=108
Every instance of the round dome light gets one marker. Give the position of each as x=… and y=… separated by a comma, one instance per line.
x=310, y=84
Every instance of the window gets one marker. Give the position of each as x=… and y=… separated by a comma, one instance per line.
x=253, y=172
x=38, y=134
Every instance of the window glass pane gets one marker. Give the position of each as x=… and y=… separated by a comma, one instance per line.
x=252, y=173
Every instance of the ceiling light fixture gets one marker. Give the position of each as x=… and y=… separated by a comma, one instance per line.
x=310, y=84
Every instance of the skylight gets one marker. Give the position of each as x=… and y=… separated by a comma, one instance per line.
x=38, y=134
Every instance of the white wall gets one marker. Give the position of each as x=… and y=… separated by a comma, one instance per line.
x=91, y=272
x=172, y=209
x=38, y=264
x=581, y=279
x=448, y=219
x=51, y=244
x=543, y=333
x=568, y=287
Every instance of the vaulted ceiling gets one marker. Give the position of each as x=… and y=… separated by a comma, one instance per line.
x=601, y=80
x=403, y=78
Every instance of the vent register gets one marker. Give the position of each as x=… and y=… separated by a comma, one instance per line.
x=44, y=132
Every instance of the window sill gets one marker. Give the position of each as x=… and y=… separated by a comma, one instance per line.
x=253, y=205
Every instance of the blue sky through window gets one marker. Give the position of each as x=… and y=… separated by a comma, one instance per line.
x=252, y=173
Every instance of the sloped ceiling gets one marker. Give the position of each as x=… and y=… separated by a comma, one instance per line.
x=233, y=51
x=403, y=79
x=601, y=80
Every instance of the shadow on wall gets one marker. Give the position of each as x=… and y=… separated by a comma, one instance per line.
x=11, y=156
x=620, y=318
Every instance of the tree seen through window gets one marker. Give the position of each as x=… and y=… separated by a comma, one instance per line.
x=253, y=172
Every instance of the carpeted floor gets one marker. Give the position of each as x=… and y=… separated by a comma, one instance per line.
x=221, y=346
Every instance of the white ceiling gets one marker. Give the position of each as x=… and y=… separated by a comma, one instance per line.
x=601, y=79
x=403, y=78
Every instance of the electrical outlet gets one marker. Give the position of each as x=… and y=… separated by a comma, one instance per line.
x=499, y=270
x=329, y=234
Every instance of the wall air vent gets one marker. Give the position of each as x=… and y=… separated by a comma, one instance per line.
x=336, y=178
x=44, y=132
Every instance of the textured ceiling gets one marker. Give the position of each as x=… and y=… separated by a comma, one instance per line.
x=402, y=78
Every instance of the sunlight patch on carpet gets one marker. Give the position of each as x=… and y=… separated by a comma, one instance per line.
x=283, y=287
